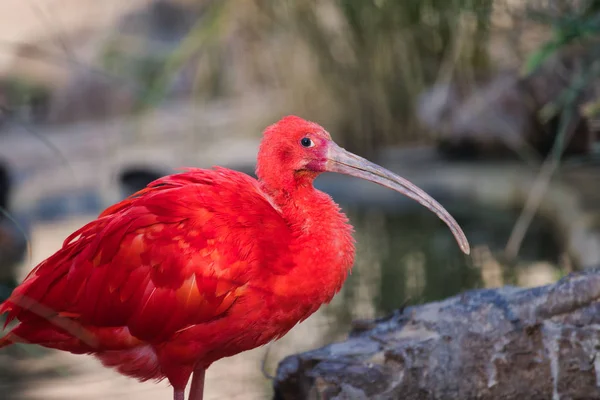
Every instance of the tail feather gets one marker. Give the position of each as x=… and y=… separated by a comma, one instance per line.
x=139, y=362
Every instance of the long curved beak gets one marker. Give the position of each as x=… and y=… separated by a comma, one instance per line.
x=344, y=162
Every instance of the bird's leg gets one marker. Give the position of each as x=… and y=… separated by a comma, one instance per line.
x=178, y=394
x=197, y=389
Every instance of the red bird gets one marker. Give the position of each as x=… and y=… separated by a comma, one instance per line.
x=203, y=264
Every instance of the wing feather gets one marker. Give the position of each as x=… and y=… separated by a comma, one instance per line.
x=176, y=254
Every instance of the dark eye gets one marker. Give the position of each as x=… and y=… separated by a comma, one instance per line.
x=306, y=142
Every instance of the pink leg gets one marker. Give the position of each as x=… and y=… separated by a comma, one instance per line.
x=178, y=394
x=197, y=389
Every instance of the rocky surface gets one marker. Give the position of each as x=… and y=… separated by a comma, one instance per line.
x=506, y=343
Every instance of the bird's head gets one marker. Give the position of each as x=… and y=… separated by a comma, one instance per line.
x=294, y=152
x=292, y=149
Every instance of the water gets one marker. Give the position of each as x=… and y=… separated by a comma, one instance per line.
x=410, y=257
x=405, y=255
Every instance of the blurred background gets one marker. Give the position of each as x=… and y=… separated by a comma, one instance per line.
x=490, y=105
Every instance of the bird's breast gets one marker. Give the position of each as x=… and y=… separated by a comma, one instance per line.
x=322, y=256
x=301, y=277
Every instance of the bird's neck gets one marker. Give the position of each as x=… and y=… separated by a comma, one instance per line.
x=286, y=190
x=322, y=245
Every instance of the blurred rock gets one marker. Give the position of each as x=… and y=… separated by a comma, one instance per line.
x=488, y=116
x=502, y=114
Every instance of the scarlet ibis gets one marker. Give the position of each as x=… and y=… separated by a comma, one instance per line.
x=203, y=264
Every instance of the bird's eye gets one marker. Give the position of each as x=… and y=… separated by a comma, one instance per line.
x=306, y=142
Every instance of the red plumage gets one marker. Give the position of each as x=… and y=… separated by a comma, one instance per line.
x=184, y=253
x=197, y=266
